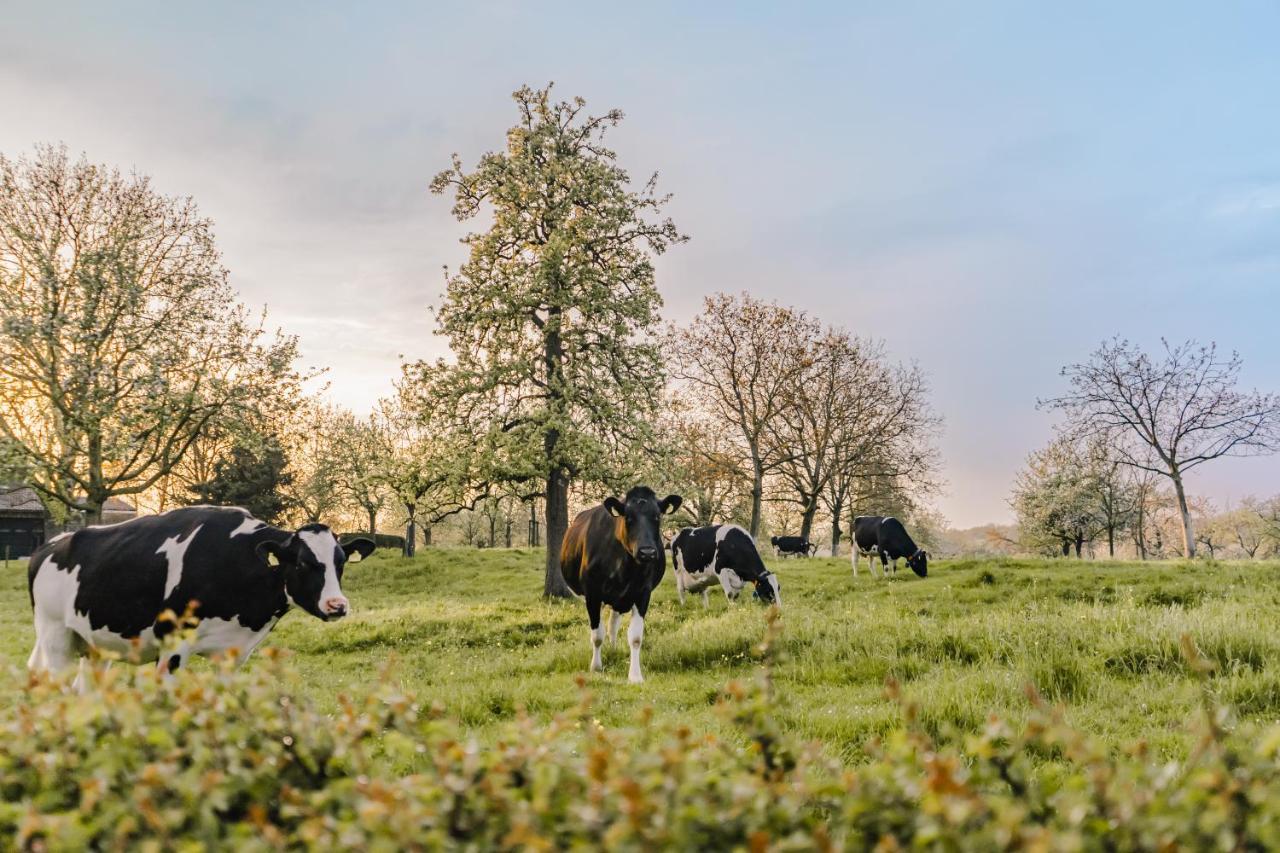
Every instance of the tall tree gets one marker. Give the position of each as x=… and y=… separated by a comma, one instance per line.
x=549, y=316
x=121, y=340
x=1170, y=414
x=742, y=359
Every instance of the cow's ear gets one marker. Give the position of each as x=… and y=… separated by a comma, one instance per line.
x=671, y=503
x=274, y=553
x=363, y=547
x=616, y=507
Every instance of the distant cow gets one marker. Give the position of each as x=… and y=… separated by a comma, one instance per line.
x=723, y=553
x=885, y=537
x=613, y=554
x=793, y=545
x=107, y=587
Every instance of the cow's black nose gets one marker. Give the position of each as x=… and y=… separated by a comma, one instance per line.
x=648, y=553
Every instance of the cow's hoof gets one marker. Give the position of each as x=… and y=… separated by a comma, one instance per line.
x=595, y=667
x=635, y=679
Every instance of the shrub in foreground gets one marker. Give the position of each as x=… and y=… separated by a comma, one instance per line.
x=222, y=758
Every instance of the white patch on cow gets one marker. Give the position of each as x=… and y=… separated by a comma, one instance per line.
x=54, y=594
x=59, y=537
x=249, y=525
x=772, y=580
x=175, y=552
x=324, y=545
x=731, y=582
x=214, y=636
x=635, y=638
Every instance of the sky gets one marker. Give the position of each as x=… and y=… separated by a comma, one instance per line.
x=992, y=189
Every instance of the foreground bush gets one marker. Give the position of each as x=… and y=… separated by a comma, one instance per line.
x=223, y=758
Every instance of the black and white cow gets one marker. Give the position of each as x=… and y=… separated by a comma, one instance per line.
x=107, y=587
x=793, y=545
x=885, y=537
x=724, y=554
x=613, y=554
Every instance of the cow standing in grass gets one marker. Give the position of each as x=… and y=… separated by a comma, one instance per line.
x=886, y=538
x=120, y=587
x=613, y=554
x=722, y=553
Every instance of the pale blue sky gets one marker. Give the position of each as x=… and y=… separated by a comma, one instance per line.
x=991, y=188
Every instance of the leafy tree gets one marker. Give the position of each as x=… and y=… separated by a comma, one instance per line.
x=1056, y=499
x=1170, y=414
x=253, y=476
x=431, y=466
x=120, y=339
x=361, y=448
x=702, y=464
x=549, y=315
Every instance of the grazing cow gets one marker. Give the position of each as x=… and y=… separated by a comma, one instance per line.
x=793, y=545
x=884, y=536
x=724, y=553
x=110, y=587
x=613, y=554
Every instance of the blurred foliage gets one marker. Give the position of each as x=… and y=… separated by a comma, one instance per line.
x=216, y=756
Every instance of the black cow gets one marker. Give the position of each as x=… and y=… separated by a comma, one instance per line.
x=884, y=536
x=793, y=545
x=613, y=554
x=109, y=587
x=724, y=553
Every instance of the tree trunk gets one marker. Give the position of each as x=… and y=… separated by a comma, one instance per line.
x=557, y=520
x=757, y=496
x=1079, y=545
x=426, y=536
x=806, y=520
x=1188, y=534
x=1111, y=541
x=373, y=523
x=1066, y=547
x=835, y=533
x=493, y=531
x=410, y=534
x=508, y=532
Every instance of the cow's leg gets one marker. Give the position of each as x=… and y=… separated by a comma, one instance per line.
x=884, y=564
x=54, y=649
x=597, y=634
x=679, y=584
x=635, y=638
x=615, y=621
x=706, y=603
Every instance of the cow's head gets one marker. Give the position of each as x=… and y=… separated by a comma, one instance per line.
x=312, y=561
x=767, y=589
x=639, y=519
x=919, y=562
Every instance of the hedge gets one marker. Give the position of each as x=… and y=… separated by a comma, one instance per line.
x=215, y=757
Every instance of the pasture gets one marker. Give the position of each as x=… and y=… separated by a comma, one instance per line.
x=466, y=629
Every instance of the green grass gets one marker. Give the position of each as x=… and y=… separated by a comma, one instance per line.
x=467, y=629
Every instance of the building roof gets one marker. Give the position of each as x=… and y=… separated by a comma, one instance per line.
x=20, y=499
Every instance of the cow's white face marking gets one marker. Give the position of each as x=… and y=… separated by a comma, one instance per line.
x=777, y=595
x=324, y=545
x=175, y=551
x=249, y=525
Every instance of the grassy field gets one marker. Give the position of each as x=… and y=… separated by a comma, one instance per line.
x=467, y=629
